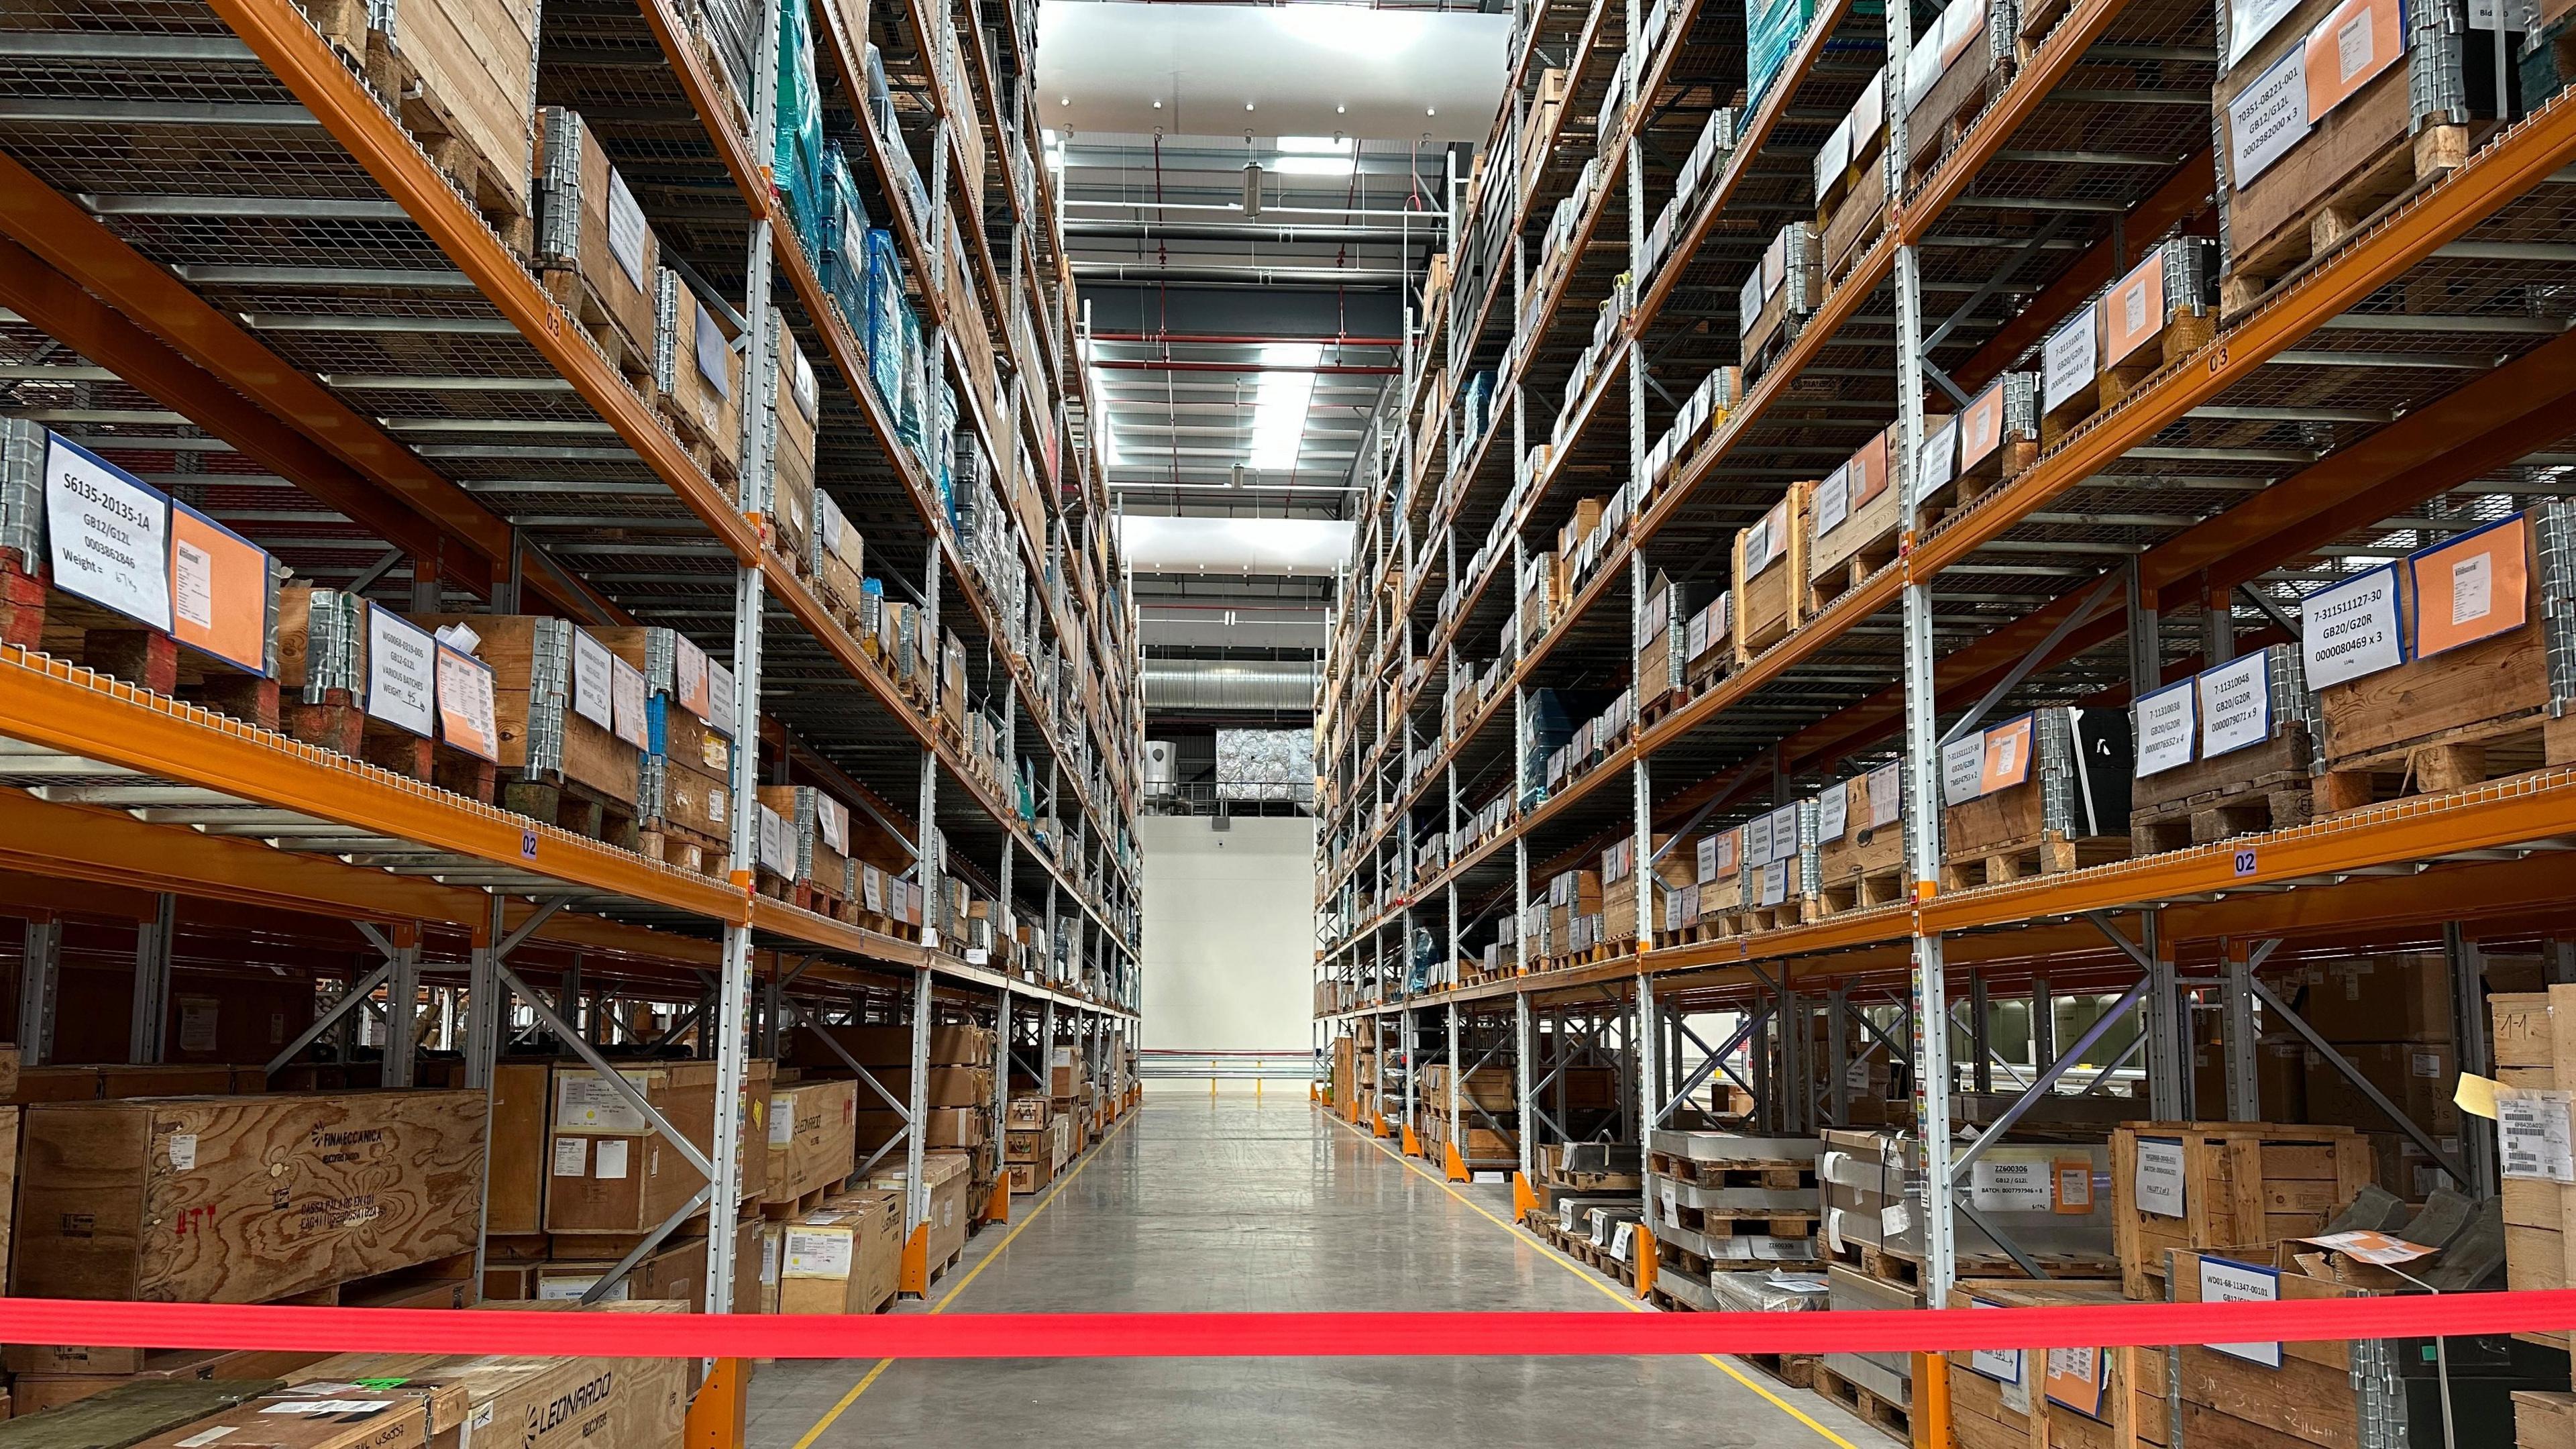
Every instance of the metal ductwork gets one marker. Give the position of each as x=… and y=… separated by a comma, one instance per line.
x=1219, y=684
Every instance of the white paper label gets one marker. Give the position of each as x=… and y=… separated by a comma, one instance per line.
x=2472, y=588
x=1894, y=1221
x=2534, y=1129
x=689, y=674
x=1834, y=157
x=627, y=705
x=2225, y=1282
x=720, y=700
x=2248, y=21
x=1963, y=769
x=2268, y=117
x=1784, y=832
x=1938, y=463
x=2158, y=1186
x=183, y=1152
x=2009, y=1187
x=1833, y=812
x=465, y=689
x=612, y=1159
x=2133, y=311
x=1757, y=840
x=774, y=854
x=2235, y=704
x=569, y=1290
x=211, y=1436
x=2352, y=46
x=1832, y=500
x=572, y=1156
x=2068, y=360
x=1856, y=1076
x=2167, y=724
x=2350, y=630
x=329, y=1408
x=585, y=1103
x=402, y=672
x=1775, y=882
x=625, y=228
x=592, y=697
x=108, y=534
x=819, y=1255
x=832, y=821
x=712, y=353
x=1886, y=795
x=782, y=1121
x=197, y=1018
x=193, y=577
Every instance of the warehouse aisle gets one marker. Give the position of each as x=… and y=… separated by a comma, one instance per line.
x=1237, y=1204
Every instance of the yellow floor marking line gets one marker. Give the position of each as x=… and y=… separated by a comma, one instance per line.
x=1614, y=1295
x=861, y=1387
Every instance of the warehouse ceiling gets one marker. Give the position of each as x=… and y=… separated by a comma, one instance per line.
x=1252, y=196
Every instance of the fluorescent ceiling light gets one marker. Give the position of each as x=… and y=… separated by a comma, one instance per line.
x=1315, y=166
x=1316, y=145
x=1279, y=405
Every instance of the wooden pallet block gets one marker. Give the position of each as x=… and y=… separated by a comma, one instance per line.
x=2051, y=852
x=680, y=847
x=580, y=299
x=2185, y=332
x=2405, y=167
x=2262, y=788
x=578, y=808
x=1892, y=1419
x=2459, y=718
x=1797, y=1370
x=462, y=149
x=2453, y=759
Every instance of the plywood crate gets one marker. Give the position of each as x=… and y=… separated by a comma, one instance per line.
x=621, y=1401
x=124, y=1414
x=946, y=1176
x=2258, y=711
x=2361, y=149
x=595, y=252
x=611, y=1172
x=2063, y=1401
x=2039, y=794
x=697, y=374
x=370, y=1417
x=2483, y=613
x=521, y=1094
x=1770, y=572
x=1998, y=434
x=2163, y=311
x=790, y=391
x=564, y=757
x=1857, y=517
x=844, y=1256
x=2243, y=1185
x=812, y=1137
x=1851, y=182
x=179, y=1199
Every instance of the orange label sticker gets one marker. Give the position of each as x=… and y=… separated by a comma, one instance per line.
x=2007, y=756
x=218, y=590
x=2134, y=311
x=465, y=703
x=1869, y=470
x=1981, y=426
x=2471, y=588
x=2356, y=42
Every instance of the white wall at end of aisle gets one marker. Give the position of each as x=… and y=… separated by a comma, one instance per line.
x=1229, y=933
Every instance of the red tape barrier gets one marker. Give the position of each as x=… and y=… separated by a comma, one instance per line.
x=1266, y=1335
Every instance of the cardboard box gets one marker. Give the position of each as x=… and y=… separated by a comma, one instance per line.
x=326, y=1414
x=1029, y=1176
x=945, y=1087
x=891, y=1046
x=2378, y=998
x=678, y=1270
x=1026, y=1112
x=2418, y=1076
x=243, y=1199
x=844, y=1257
x=520, y=1092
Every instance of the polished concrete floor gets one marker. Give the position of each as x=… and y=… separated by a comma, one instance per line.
x=1233, y=1203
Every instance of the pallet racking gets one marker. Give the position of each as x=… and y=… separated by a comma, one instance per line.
x=2395, y=386
x=255, y=263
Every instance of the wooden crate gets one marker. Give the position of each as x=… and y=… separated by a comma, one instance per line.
x=1998, y=434
x=2007, y=832
x=1770, y=563
x=243, y=1199
x=1977, y=57
x=1851, y=184
x=1988, y=1414
x=2358, y=157
x=697, y=375
x=2462, y=715
x=2532, y=1055
x=2248, y=789
x=1858, y=519
x=1783, y=290
x=459, y=75
x=558, y=764
x=2163, y=311
x=2309, y=1400
x=789, y=389
x=1864, y=865
x=595, y=254
x=2245, y=1186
